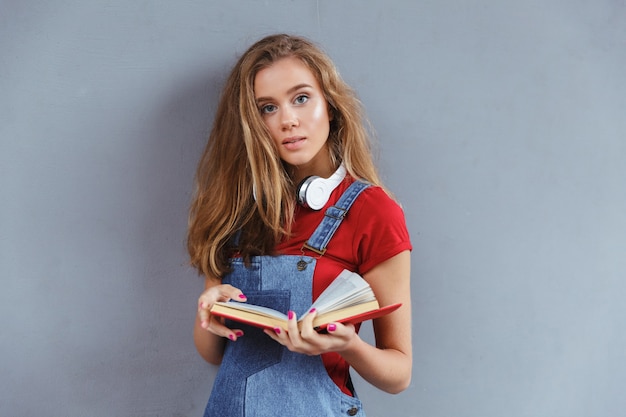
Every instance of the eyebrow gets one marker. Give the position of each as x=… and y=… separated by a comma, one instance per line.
x=290, y=91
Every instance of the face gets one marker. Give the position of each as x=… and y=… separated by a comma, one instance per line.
x=295, y=112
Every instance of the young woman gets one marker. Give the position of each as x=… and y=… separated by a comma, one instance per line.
x=286, y=115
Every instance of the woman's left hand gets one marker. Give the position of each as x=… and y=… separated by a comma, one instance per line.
x=308, y=341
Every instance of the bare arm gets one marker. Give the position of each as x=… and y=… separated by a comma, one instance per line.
x=388, y=365
x=209, y=331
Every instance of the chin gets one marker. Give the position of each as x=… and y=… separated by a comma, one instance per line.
x=295, y=162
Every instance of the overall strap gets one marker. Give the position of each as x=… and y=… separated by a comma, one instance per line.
x=333, y=217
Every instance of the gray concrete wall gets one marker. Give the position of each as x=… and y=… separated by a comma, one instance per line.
x=502, y=131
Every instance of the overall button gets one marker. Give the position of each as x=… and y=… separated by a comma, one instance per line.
x=353, y=411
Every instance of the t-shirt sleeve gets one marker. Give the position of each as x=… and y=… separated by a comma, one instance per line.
x=381, y=232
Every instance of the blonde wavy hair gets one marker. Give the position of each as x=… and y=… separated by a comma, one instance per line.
x=241, y=156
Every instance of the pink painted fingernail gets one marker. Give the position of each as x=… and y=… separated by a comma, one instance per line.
x=239, y=333
x=332, y=327
x=277, y=330
x=311, y=311
x=243, y=297
x=290, y=314
x=231, y=337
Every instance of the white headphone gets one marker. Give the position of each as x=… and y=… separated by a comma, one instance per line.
x=313, y=192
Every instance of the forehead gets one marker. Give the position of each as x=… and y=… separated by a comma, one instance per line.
x=281, y=76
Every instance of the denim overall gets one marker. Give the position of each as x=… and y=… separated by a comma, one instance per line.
x=258, y=376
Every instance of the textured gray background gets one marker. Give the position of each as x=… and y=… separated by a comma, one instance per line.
x=502, y=131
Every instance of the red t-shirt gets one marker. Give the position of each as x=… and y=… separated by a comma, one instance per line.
x=373, y=230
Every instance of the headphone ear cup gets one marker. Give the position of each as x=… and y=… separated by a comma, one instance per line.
x=313, y=192
x=302, y=193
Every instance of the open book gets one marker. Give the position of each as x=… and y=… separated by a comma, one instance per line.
x=348, y=299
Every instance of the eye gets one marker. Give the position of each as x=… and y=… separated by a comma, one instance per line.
x=301, y=99
x=267, y=109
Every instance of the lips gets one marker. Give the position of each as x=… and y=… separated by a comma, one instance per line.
x=292, y=140
x=294, y=143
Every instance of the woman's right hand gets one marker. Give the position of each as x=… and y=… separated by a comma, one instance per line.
x=210, y=323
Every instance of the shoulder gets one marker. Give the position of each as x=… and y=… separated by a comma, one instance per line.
x=379, y=226
x=373, y=206
x=374, y=201
x=377, y=214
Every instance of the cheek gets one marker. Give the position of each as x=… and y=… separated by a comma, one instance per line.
x=272, y=126
x=320, y=114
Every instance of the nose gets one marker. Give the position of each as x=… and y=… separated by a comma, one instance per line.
x=289, y=119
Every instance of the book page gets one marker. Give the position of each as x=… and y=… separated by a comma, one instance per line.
x=347, y=289
x=264, y=311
